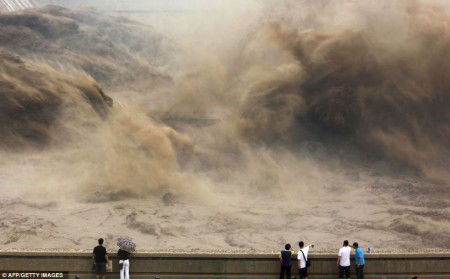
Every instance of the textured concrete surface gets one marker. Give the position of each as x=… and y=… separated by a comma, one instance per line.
x=171, y=266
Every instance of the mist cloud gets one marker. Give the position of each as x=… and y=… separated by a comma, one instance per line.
x=295, y=101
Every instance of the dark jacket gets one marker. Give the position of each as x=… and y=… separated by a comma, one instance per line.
x=286, y=258
x=123, y=255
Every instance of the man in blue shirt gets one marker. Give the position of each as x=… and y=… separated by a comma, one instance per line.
x=359, y=258
x=286, y=261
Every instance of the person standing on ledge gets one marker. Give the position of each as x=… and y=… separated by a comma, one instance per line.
x=360, y=261
x=302, y=257
x=285, y=257
x=100, y=259
x=343, y=260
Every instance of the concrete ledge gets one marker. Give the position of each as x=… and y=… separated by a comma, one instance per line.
x=171, y=266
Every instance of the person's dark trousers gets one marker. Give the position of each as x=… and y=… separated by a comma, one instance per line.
x=285, y=270
x=360, y=272
x=344, y=270
x=303, y=273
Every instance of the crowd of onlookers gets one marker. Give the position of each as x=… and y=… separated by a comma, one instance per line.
x=101, y=261
x=343, y=260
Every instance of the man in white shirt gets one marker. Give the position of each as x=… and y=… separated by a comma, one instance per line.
x=343, y=260
x=302, y=257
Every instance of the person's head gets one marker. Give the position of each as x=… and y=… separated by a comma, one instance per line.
x=301, y=244
x=287, y=246
x=100, y=241
x=345, y=242
x=355, y=245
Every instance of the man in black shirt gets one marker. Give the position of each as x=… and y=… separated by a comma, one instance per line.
x=100, y=259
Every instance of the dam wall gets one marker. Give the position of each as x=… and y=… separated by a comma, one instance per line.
x=251, y=266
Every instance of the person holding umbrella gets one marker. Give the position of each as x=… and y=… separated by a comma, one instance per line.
x=126, y=247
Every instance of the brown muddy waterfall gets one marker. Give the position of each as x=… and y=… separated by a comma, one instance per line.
x=238, y=127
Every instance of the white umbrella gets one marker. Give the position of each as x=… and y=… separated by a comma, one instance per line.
x=126, y=244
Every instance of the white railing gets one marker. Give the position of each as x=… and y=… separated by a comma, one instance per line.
x=15, y=5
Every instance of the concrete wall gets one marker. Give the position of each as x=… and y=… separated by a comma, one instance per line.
x=171, y=266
